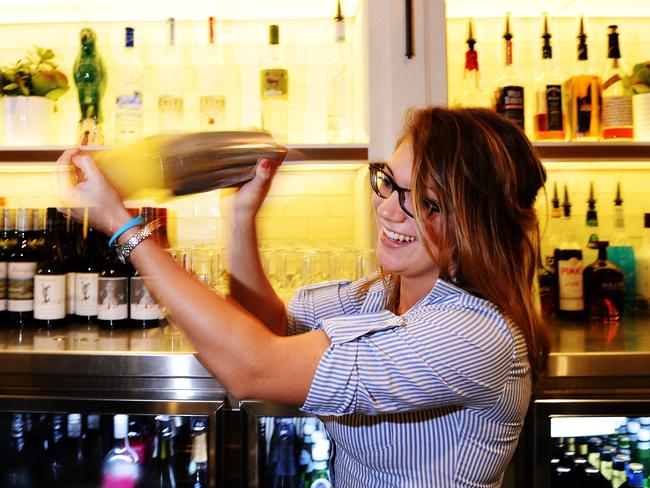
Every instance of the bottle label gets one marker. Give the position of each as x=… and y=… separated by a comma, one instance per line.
x=170, y=104
x=554, y=119
x=20, y=277
x=71, y=284
x=128, y=115
x=143, y=304
x=211, y=110
x=584, y=88
x=49, y=297
x=112, y=299
x=3, y=286
x=85, y=303
x=570, y=284
x=510, y=104
x=275, y=83
x=617, y=111
x=471, y=61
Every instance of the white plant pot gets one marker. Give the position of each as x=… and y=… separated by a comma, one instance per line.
x=27, y=121
x=641, y=108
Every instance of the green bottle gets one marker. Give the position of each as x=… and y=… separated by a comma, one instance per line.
x=320, y=476
x=90, y=78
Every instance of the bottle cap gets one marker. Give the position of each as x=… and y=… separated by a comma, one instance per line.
x=318, y=435
x=643, y=435
x=582, y=42
x=320, y=450
x=633, y=426
x=646, y=220
x=120, y=426
x=614, y=51
x=74, y=418
x=93, y=421
x=274, y=34
x=129, y=37
x=310, y=426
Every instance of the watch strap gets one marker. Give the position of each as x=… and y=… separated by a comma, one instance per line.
x=124, y=250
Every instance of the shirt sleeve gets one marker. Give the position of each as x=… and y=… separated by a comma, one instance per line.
x=312, y=304
x=382, y=363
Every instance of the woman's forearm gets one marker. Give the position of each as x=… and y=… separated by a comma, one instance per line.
x=249, y=285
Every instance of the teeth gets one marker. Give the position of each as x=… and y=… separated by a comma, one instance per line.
x=394, y=236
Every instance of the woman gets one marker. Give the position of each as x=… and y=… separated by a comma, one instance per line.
x=423, y=373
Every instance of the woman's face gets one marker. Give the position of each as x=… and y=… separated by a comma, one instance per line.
x=400, y=249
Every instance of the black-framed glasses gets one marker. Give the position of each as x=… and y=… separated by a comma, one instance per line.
x=384, y=185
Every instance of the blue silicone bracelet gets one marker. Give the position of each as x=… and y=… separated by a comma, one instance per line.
x=131, y=223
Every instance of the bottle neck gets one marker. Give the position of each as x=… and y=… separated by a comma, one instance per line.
x=619, y=220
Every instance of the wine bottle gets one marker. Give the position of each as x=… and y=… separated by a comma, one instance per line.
x=198, y=467
x=162, y=473
x=7, y=242
x=129, y=108
x=510, y=91
x=286, y=469
x=50, y=279
x=87, y=278
x=93, y=451
x=211, y=84
x=15, y=470
x=339, y=86
x=21, y=269
x=568, y=269
x=182, y=442
x=617, y=99
x=621, y=253
x=549, y=119
x=320, y=477
x=113, y=293
x=55, y=462
x=170, y=84
x=73, y=244
x=274, y=83
x=37, y=234
x=582, y=96
x=120, y=467
x=75, y=467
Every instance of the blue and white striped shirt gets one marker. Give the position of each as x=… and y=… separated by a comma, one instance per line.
x=433, y=398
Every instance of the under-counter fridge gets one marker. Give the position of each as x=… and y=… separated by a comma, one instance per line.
x=64, y=417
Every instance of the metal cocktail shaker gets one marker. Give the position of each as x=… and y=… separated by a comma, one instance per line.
x=181, y=164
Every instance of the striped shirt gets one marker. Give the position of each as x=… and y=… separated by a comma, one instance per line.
x=435, y=397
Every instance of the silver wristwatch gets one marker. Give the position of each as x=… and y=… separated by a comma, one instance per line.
x=123, y=250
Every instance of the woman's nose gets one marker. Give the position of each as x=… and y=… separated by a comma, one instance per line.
x=389, y=208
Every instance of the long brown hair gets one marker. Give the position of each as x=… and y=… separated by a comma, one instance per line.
x=486, y=176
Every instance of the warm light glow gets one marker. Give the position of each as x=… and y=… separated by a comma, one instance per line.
x=141, y=10
x=554, y=8
x=584, y=426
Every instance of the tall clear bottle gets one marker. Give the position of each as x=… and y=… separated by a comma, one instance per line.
x=471, y=94
x=274, y=88
x=198, y=467
x=509, y=96
x=617, y=98
x=211, y=84
x=549, y=119
x=621, y=253
x=129, y=108
x=339, y=87
x=50, y=279
x=170, y=79
x=21, y=269
x=643, y=269
x=582, y=96
x=568, y=269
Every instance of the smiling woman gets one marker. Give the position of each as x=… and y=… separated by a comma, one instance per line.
x=422, y=373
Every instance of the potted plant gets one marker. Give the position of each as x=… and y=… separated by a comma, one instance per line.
x=29, y=90
x=640, y=84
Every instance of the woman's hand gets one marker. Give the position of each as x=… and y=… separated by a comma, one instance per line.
x=91, y=190
x=251, y=195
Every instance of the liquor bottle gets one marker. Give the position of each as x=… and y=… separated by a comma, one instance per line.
x=15, y=469
x=621, y=253
x=320, y=477
x=144, y=310
x=593, y=445
x=510, y=92
x=643, y=269
x=129, y=108
x=603, y=285
x=37, y=234
x=635, y=476
x=120, y=467
x=87, y=278
x=545, y=284
x=617, y=99
x=21, y=269
x=607, y=463
x=211, y=85
x=568, y=268
x=553, y=233
x=198, y=467
x=170, y=85
x=633, y=427
x=471, y=94
x=182, y=442
x=274, y=88
x=619, y=474
x=582, y=96
x=339, y=86
x=93, y=450
x=73, y=245
x=643, y=450
x=549, y=119
x=75, y=464
x=50, y=279
x=55, y=462
x=590, y=251
x=594, y=479
x=162, y=473
x=90, y=77
x=113, y=293
x=138, y=439
x=305, y=461
x=286, y=471
x=7, y=242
